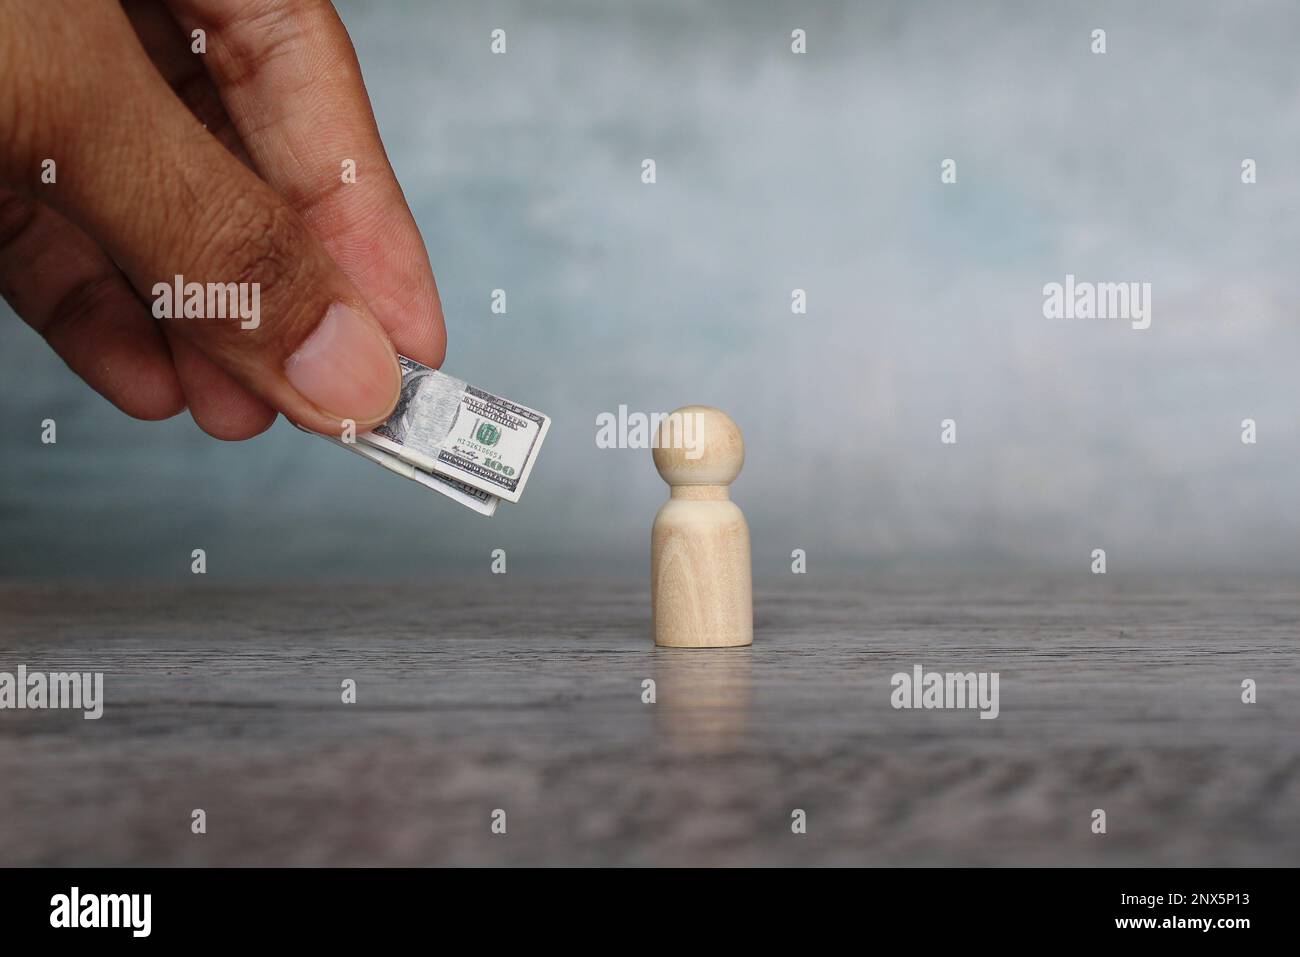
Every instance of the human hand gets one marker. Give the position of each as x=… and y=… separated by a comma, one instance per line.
x=220, y=167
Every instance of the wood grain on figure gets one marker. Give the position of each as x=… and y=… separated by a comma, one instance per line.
x=701, y=587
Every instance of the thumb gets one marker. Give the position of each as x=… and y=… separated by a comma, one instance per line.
x=179, y=214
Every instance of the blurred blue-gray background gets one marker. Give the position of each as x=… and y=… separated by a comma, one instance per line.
x=776, y=172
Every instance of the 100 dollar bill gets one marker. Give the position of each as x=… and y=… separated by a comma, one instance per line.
x=472, y=498
x=446, y=426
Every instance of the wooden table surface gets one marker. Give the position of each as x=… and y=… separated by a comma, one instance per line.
x=527, y=697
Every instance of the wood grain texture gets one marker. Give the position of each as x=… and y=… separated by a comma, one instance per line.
x=700, y=570
x=701, y=591
x=528, y=697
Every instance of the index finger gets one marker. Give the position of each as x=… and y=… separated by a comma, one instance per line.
x=289, y=79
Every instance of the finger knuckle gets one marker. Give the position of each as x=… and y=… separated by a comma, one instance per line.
x=82, y=305
x=17, y=216
x=265, y=247
x=261, y=32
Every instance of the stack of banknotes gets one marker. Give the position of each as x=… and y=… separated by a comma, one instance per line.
x=470, y=445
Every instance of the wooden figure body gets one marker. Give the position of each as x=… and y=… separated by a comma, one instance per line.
x=701, y=583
